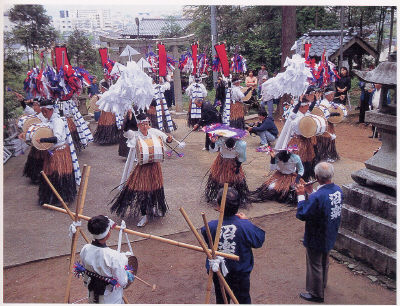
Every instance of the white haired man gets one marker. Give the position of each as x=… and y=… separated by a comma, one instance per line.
x=321, y=211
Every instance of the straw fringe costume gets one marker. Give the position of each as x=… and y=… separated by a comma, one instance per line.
x=59, y=166
x=107, y=131
x=227, y=168
x=326, y=143
x=34, y=162
x=279, y=181
x=195, y=91
x=236, y=108
x=143, y=187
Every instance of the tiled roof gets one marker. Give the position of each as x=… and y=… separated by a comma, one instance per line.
x=152, y=27
x=320, y=39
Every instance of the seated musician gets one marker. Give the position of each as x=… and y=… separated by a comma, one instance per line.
x=143, y=187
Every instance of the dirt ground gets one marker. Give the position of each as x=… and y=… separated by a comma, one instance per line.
x=179, y=274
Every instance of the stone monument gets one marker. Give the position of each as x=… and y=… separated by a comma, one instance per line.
x=368, y=228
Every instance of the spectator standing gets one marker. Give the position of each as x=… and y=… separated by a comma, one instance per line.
x=321, y=212
x=343, y=85
x=261, y=74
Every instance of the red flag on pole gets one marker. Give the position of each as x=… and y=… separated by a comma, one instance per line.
x=194, y=57
x=162, y=60
x=220, y=49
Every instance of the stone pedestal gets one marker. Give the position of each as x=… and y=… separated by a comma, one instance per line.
x=368, y=227
x=82, y=106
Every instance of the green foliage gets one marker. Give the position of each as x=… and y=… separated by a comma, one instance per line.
x=80, y=49
x=172, y=28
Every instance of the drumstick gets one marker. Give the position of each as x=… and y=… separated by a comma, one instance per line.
x=173, y=150
x=183, y=139
x=310, y=183
x=153, y=287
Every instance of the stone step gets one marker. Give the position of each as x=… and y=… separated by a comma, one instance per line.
x=374, y=202
x=369, y=226
x=376, y=256
x=376, y=180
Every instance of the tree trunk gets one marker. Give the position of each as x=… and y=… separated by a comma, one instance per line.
x=27, y=54
x=288, y=31
x=361, y=21
x=380, y=34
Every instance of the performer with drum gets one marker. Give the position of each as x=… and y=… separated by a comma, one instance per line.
x=227, y=168
x=103, y=264
x=196, y=91
x=304, y=144
x=34, y=162
x=57, y=164
x=143, y=187
x=286, y=171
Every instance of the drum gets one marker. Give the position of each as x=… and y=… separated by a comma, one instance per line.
x=92, y=103
x=312, y=125
x=248, y=96
x=25, y=121
x=321, y=111
x=37, y=131
x=337, y=113
x=150, y=150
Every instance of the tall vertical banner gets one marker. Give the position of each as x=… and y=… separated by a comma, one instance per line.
x=162, y=60
x=61, y=57
x=223, y=58
x=194, y=57
x=103, y=55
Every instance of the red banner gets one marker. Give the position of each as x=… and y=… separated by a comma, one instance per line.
x=103, y=55
x=162, y=60
x=61, y=56
x=194, y=57
x=223, y=58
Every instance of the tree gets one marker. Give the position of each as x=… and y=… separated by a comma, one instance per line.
x=288, y=30
x=32, y=27
x=80, y=49
x=172, y=28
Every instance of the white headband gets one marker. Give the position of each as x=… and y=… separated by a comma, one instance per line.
x=48, y=106
x=102, y=235
x=144, y=120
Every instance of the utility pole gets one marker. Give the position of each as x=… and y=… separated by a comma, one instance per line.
x=213, y=39
x=341, y=36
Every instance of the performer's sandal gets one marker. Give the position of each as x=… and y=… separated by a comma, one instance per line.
x=143, y=221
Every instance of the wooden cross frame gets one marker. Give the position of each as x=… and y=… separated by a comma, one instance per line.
x=79, y=216
x=211, y=255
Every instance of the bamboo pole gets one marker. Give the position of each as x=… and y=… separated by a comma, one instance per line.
x=215, y=246
x=71, y=214
x=209, y=256
x=209, y=281
x=79, y=208
x=149, y=236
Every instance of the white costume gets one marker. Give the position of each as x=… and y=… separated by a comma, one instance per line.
x=29, y=111
x=196, y=91
x=106, y=262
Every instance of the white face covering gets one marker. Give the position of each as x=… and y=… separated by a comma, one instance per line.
x=102, y=235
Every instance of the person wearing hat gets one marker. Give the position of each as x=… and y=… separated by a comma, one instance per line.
x=57, y=163
x=107, y=131
x=238, y=237
x=102, y=263
x=227, y=168
x=195, y=91
x=142, y=186
x=236, y=114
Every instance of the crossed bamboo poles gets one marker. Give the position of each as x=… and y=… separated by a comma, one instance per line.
x=77, y=216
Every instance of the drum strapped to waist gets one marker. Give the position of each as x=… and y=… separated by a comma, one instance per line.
x=321, y=111
x=37, y=131
x=312, y=125
x=92, y=103
x=25, y=121
x=248, y=96
x=340, y=112
x=150, y=150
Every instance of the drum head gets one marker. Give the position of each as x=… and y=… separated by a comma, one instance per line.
x=42, y=132
x=133, y=264
x=318, y=112
x=307, y=127
x=28, y=122
x=333, y=118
